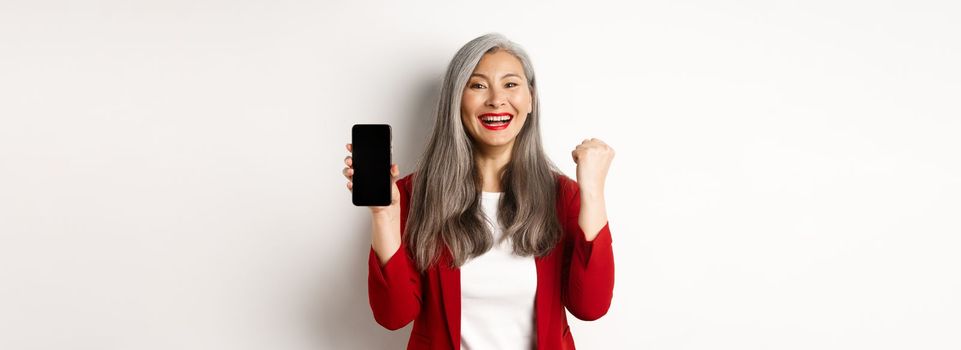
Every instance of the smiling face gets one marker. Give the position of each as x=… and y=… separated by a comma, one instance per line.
x=496, y=100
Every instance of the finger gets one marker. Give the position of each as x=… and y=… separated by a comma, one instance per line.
x=348, y=173
x=350, y=148
x=394, y=191
x=349, y=161
x=574, y=155
x=350, y=186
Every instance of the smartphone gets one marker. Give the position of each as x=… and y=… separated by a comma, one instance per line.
x=371, y=159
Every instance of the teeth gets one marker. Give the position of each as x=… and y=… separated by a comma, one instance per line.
x=496, y=119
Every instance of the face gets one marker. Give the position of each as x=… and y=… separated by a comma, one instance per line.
x=496, y=100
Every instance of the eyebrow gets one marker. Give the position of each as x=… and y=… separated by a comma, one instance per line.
x=505, y=75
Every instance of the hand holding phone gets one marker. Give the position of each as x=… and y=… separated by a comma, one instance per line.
x=385, y=220
x=369, y=167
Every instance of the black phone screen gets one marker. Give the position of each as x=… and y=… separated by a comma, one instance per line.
x=371, y=162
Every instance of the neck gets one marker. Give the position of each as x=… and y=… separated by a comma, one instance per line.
x=491, y=162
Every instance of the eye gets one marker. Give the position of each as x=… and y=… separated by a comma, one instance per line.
x=476, y=86
x=510, y=84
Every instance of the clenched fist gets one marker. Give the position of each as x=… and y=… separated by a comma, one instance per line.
x=593, y=158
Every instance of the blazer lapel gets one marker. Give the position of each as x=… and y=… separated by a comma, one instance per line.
x=541, y=301
x=450, y=294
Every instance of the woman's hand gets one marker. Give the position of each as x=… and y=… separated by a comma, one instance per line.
x=385, y=221
x=395, y=193
x=593, y=158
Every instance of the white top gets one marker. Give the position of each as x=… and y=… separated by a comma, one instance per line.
x=497, y=293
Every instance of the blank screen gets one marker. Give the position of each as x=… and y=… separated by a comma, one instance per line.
x=371, y=162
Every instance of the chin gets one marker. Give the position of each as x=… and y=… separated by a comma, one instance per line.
x=483, y=137
x=497, y=142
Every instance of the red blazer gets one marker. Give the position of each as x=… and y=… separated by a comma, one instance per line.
x=576, y=274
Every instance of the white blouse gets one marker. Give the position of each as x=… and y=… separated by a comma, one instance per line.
x=497, y=293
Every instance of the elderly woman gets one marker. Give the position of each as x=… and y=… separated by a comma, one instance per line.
x=487, y=243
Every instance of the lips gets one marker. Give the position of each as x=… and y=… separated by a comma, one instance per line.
x=495, y=121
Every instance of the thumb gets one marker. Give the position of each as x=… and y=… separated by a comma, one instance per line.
x=395, y=192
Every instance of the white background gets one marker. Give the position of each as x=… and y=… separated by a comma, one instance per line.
x=787, y=173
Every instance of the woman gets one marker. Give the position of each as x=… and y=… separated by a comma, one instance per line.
x=487, y=243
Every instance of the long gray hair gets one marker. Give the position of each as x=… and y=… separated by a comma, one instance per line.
x=445, y=200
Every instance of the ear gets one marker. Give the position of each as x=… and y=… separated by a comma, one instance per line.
x=530, y=105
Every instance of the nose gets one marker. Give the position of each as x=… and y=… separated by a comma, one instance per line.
x=496, y=98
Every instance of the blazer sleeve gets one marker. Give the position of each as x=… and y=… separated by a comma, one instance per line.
x=394, y=289
x=589, y=285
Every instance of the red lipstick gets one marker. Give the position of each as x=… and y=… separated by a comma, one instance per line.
x=495, y=121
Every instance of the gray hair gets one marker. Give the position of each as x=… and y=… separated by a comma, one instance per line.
x=445, y=199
